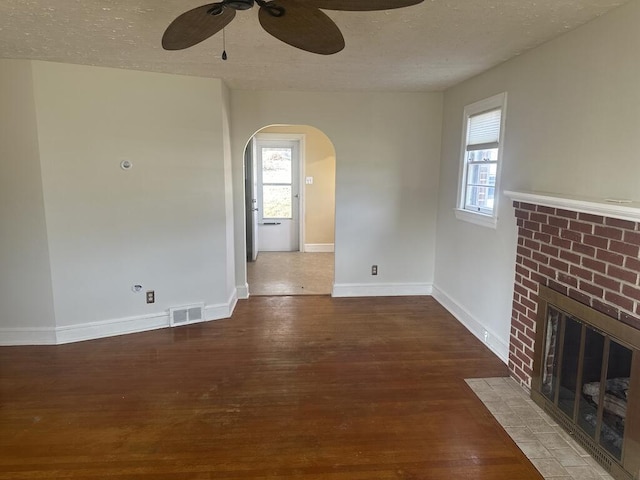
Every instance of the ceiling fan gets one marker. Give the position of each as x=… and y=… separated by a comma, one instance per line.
x=299, y=23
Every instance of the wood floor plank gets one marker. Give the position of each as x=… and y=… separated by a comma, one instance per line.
x=289, y=387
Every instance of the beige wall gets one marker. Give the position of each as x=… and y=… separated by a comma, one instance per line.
x=26, y=298
x=320, y=163
x=388, y=151
x=572, y=123
x=165, y=224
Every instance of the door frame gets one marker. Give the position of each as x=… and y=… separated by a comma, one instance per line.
x=290, y=137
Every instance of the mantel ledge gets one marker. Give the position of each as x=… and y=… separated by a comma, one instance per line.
x=610, y=207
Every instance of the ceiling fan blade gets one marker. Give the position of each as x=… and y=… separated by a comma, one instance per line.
x=301, y=26
x=196, y=25
x=360, y=5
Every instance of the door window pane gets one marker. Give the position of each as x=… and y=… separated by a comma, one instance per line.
x=276, y=165
x=551, y=350
x=569, y=370
x=276, y=201
x=614, y=405
x=591, y=373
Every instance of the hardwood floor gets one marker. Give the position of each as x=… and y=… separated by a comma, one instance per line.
x=288, y=388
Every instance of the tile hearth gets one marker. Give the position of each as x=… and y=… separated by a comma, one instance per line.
x=549, y=448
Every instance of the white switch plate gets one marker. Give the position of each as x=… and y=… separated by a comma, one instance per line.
x=308, y=180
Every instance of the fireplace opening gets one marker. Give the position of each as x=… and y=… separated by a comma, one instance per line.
x=587, y=376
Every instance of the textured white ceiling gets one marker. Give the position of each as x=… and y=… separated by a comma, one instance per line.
x=429, y=46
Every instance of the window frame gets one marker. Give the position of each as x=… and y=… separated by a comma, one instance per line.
x=495, y=102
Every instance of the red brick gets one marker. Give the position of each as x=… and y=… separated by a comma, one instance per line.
x=591, y=289
x=583, y=249
x=558, y=287
x=534, y=298
x=532, y=244
x=517, y=344
x=581, y=273
x=609, y=257
x=549, y=250
x=527, y=322
x=638, y=308
x=528, y=303
x=524, y=251
x=530, y=264
x=528, y=206
x=632, y=292
x=581, y=227
x=632, y=237
x=604, y=308
x=616, y=222
x=538, y=279
x=568, y=279
x=587, y=217
x=547, y=210
x=571, y=235
x=542, y=237
x=533, y=226
x=559, y=265
x=522, y=214
x=520, y=222
x=558, y=222
x=520, y=290
x=630, y=320
x=570, y=257
x=529, y=284
x=551, y=230
x=619, y=300
x=526, y=339
x=579, y=296
x=608, y=232
x=626, y=275
x=560, y=242
x=523, y=232
x=632, y=264
x=606, y=282
x=546, y=271
x=538, y=217
x=519, y=308
x=540, y=258
x=594, y=265
x=520, y=270
x=567, y=213
x=516, y=204
x=596, y=241
x=624, y=248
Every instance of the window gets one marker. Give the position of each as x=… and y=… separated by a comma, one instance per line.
x=481, y=157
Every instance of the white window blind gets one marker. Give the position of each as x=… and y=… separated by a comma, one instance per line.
x=484, y=130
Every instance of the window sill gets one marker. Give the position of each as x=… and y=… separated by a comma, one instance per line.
x=481, y=219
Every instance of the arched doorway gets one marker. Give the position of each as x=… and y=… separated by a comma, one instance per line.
x=290, y=211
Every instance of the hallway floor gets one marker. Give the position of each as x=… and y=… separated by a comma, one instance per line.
x=291, y=273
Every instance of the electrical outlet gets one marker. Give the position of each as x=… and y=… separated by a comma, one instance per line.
x=374, y=269
x=151, y=296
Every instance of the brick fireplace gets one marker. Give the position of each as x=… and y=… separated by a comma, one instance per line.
x=592, y=258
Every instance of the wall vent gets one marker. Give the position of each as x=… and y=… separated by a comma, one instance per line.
x=185, y=315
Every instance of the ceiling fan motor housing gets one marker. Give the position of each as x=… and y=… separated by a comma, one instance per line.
x=239, y=4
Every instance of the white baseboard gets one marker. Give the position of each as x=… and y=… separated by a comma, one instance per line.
x=319, y=247
x=110, y=328
x=380, y=289
x=105, y=328
x=495, y=344
x=27, y=336
x=243, y=291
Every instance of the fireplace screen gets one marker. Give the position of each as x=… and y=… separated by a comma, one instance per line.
x=585, y=371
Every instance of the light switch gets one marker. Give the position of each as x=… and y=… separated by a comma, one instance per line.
x=309, y=180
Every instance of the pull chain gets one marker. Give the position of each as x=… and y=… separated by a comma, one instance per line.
x=224, y=46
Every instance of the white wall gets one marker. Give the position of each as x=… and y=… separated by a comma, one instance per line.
x=163, y=224
x=26, y=299
x=572, y=123
x=387, y=154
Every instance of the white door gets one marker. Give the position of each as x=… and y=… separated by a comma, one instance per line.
x=278, y=176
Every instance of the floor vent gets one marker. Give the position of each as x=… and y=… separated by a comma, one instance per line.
x=184, y=315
